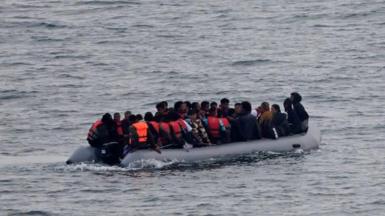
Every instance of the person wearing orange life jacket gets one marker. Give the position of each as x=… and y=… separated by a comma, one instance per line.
x=176, y=130
x=154, y=126
x=140, y=136
x=218, y=128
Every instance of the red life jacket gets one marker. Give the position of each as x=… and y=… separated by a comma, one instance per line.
x=176, y=129
x=165, y=127
x=93, y=128
x=226, y=122
x=141, y=129
x=213, y=126
x=119, y=128
x=155, y=125
x=182, y=124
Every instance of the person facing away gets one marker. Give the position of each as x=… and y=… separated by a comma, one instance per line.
x=292, y=117
x=303, y=116
x=140, y=135
x=265, y=120
x=162, y=110
x=279, y=122
x=199, y=135
x=224, y=107
x=176, y=130
x=154, y=127
x=246, y=124
x=102, y=131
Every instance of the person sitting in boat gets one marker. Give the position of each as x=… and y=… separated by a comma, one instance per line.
x=246, y=126
x=279, y=123
x=102, y=131
x=219, y=129
x=162, y=110
x=177, y=130
x=199, y=135
x=224, y=107
x=237, y=109
x=181, y=108
x=204, y=111
x=165, y=137
x=126, y=122
x=214, y=105
x=118, y=126
x=296, y=98
x=196, y=106
x=140, y=136
x=265, y=120
x=154, y=127
x=292, y=118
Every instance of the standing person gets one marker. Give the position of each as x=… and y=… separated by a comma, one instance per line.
x=224, y=107
x=296, y=99
x=279, y=122
x=292, y=118
x=265, y=120
x=246, y=125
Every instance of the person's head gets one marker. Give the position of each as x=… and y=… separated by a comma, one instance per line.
x=192, y=114
x=107, y=119
x=188, y=105
x=184, y=108
x=214, y=105
x=132, y=119
x=231, y=112
x=295, y=97
x=265, y=106
x=245, y=107
x=177, y=106
x=225, y=103
x=205, y=106
x=148, y=116
x=237, y=108
x=195, y=106
x=116, y=116
x=160, y=107
x=164, y=104
x=287, y=104
x=275, y=108
x=127, y=114
x=213, y=111
x=139, y=117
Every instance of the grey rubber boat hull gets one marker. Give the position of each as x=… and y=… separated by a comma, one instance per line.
x=308, y=141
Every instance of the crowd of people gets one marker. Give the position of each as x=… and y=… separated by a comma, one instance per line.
x=193, y=124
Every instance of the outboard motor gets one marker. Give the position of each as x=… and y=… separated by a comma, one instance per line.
x=109, y=153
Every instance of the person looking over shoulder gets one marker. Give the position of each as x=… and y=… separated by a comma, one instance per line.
x=292, y=118
x=265, y=120
x=279, y=122
x=246, y=124
x=303, y=116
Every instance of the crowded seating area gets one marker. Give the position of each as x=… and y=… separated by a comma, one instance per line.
x=197, y=124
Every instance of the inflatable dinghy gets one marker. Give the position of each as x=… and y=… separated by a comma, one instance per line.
x=306, y=141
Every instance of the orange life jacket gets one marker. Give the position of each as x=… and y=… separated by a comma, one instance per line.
x=214, y=126
x=176, y=129
x=155, y=125
x=141, y=129
x=182, y=124
x=119, y=128
x=93, y=128
x=165, y=127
